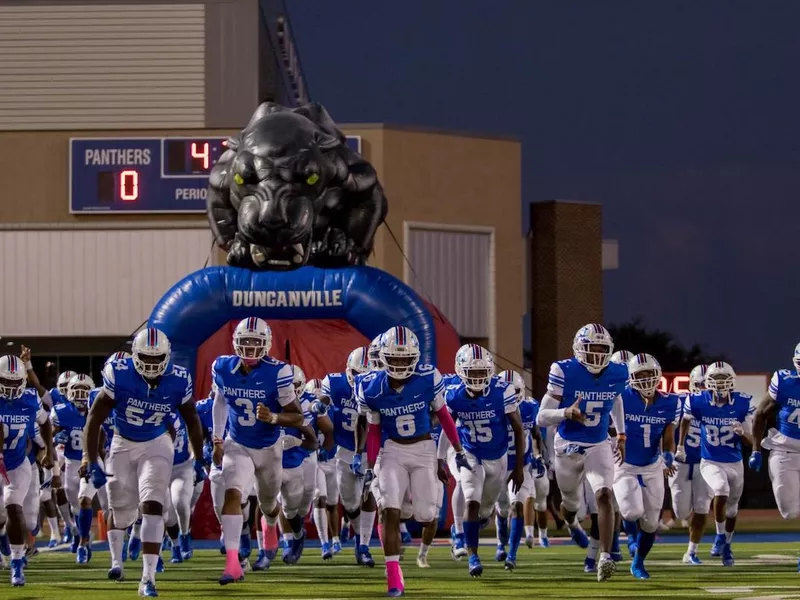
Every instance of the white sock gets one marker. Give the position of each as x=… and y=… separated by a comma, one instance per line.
x=542, y=533
x=594, y=546
x=231, y=530
x=528, y=530
x=17, y=551
x=260, y=537
x=66, y=516
x=692, y=547
x=403, y=527
x=52, y=522
x=149, y=563
x=152, y=529
x=720, y=527
x=423, y=550
x=365, y=524
x=336, y=540
x=321, y=521
x=116, y=539
x=605, y=556
x=288, y=537
x=728, y=536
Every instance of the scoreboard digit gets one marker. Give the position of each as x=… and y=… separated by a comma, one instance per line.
x=145, y=175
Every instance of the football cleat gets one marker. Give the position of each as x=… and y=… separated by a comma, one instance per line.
x=458, y=549
x=262, y=561
x=177, y=555
x=67, y=536
x=719, y=542
x=83, y=555
x=337, y=547
x=638, y=570
x=227, y=578
x=422, y=562
x=475, y=566
x=116, y=574
x=327, y=551
x=186, y=546
x=578, y=536
x=147, y=589
x=727, y=556
x=589, y=565
x=605, y=569
x=511, y=564
x=245, y=546
x=500, y=554
x=529, y=541
x=544, y=542
x=405, y=537
x=53, y=543
x=366, y=557
x=395, y=592
x=17, y=572
x=690, y=558
x=134, y=548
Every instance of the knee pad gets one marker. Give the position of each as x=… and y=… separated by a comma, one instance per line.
x=485, y=512
x=649, y=522
x=571, y=500
x=731, y=510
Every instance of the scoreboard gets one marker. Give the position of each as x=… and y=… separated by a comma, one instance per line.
x=145, y=175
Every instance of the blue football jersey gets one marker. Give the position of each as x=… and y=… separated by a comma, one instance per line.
x=140, y=412
x=205, y=412
x=718, y=440
x=436, y=432
x=404, y=413
x=181, y=440
x=294, y=457
x=343, y=409
x=784, y=389
x=692, y=442
x=70, y=419
x=597, y=394
x=269, y=383
x=644, y=425
x=57, y=397
x=108, y=424
x=19, y=418
x=528, y=410
x=481, y=420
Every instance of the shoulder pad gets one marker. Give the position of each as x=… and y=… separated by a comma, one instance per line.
x=425, y=369
x=179, y=371
x=784, y=372
x=339, y=375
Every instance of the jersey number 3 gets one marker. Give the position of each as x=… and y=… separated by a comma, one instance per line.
x=249, y=417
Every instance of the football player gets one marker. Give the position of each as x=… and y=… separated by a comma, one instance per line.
x=429, y=531
x=725, y=418
x=783, y=441
x=254, y=399
x=398, y=402
x=649, y=450
x=691, y=496
x=582, y=394
x=484, y=408
x=142, y=391
x=534, y=468
x=20, y=411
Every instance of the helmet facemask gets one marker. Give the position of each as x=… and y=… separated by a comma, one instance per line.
x=645, y=381
x=721, y=384
x=595, y=356
x=150, y=366
x=78, y=395
x=250, y=348
x=475, y=376
x=11, y=389
x=399, y=365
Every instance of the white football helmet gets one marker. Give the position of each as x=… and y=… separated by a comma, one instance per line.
x=621, y=357
x=357, y=364
x=314, y=386
x=720, y=378
x=593, y=347
x=514, y=379
x=697, y=379
x=12, y=377
x=150, y=350
x=374, y=354
x=399, y=352
x=474, y=366
x=252, y=339
x=78, y=390
x=117, y=356
x=63, y=381
x=796, y=358
x=298, y=380
x=644, y=374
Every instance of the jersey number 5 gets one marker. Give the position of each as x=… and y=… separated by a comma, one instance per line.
x=479, y=431
x=592, y=412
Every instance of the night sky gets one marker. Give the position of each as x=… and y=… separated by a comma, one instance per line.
x=680, y=117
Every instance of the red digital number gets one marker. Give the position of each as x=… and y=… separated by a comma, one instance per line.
x=204, y=154
x=129, y=185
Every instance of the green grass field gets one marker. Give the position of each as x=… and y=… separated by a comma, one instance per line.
x=766, y=570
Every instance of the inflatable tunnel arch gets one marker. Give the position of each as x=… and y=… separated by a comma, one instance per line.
x=317, y=316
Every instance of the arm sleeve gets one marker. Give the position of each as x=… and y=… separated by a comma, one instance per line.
x=555, y=380
x=109, y=380
x=509, y=400
x=53, y=418
x=687, y=409
x=773, y=386
x=326, y=386
x=219, y=415
x=549, y=413
x=285, y=386
x=448, y=425
x=444, y=446
x=747, y=424
x=618, y=415
x=37, y=437
x=438, y=391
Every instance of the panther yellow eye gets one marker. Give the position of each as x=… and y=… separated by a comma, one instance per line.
x=238, y=179
x=312, y=179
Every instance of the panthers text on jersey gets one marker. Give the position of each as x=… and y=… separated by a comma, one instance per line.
x=528, y=410
x=405, y=413
x=784, y=389
x=596, y=393
x=644, y=425
x=18, y=418
x=344, y=409
x=108, y=424
x=181, y=439
x=481, y=419
x=294, y=457
x=269, y=383
x=140, y=412
x=66, y=416
x=719, y=441
x=692, y=441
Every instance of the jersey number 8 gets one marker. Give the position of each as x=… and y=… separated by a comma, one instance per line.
x=719, y=436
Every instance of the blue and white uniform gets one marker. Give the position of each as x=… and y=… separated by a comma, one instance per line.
x=483, y=431
x=582, y=450
x=783, y=442
x=690, y=493
x=67, y=417
x=299, y=465
x=639, y=480
x=252, y=451
x=19, y=419
x=182, y=489
x=405, y=414
x=141, y=455
x=343, y=412
x=721, y=447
